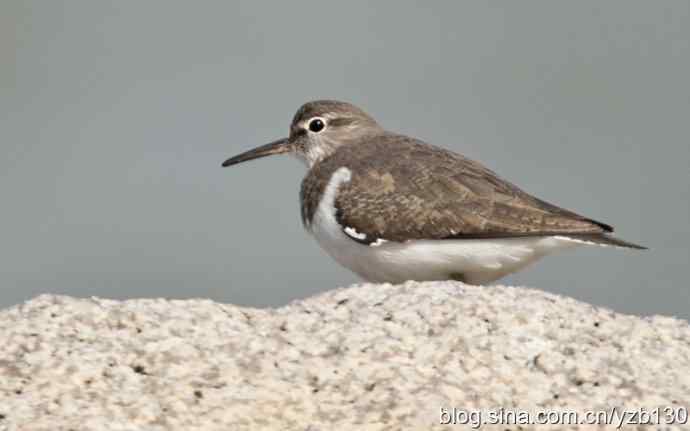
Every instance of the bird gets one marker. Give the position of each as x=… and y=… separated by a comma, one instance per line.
x=393, y=208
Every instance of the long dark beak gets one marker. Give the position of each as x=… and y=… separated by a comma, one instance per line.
x=275, y=147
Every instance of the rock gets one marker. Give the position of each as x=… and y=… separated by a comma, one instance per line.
x=368, y=357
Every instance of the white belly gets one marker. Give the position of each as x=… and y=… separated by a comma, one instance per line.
x=475, y=261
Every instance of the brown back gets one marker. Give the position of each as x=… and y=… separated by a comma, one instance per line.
x=402, y=188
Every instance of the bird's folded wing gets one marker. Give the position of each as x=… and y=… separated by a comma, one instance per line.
x=423, y=192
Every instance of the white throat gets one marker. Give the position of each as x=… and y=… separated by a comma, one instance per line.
x=315, y=152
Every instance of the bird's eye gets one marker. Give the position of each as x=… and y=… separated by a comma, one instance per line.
x=316, y=125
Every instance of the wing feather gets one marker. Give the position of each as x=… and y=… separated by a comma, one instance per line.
x=403, y=189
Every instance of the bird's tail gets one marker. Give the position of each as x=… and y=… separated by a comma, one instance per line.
x=602, y=239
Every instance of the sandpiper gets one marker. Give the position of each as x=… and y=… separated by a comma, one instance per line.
x=392, y=208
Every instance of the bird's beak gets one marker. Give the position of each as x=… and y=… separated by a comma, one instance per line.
x=276, y=147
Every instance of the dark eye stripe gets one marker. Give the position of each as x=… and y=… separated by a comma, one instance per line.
x=342, y=121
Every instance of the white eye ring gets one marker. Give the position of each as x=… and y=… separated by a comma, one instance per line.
x=316, y=124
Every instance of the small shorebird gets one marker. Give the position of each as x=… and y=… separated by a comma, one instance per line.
x=393, y=208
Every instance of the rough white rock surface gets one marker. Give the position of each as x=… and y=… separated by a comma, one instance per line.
x=368, y=357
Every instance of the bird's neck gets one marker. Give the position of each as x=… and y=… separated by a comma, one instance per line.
x=324, y=148
x=316, y=153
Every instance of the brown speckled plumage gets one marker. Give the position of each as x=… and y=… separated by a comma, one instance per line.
x=403, y=189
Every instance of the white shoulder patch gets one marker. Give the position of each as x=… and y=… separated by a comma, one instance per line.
x=325, y=217
x=326, y=207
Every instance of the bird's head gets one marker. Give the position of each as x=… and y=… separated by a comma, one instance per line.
x=317, y=130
